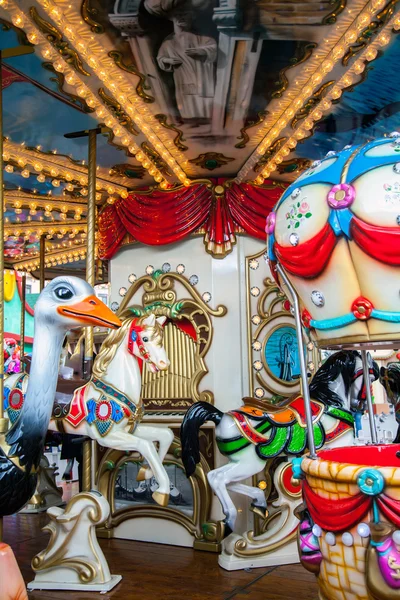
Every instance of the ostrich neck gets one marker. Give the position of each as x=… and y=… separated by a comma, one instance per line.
x=27, y=435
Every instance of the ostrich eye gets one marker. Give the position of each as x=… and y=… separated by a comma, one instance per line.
x=145, y=339
x=63, y=293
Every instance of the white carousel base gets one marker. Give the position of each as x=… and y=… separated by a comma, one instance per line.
x=75, y=587
x=286, y=555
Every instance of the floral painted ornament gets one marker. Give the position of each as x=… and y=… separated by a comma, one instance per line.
x=341, y=195
x=297, y=214
x=270, y=223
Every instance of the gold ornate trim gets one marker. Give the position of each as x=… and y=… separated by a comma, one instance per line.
x=187, y=355
x=283, y=82
x=141, y=86
x=339, y=6
x=244, y=136
x=199, y=525
x=115, y=107
x=379, y=21
x=54, y=36
x=87, y=15
x=59, y=79
x=311, y=103
x=178, y=139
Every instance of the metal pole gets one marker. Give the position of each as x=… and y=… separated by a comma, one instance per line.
x=41, y=259
x=22, y=335
x=3, y=420
x=367, y=383
x=89, y=448
x=303, y=368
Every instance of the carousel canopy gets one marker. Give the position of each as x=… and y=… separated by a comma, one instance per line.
x=209, y=110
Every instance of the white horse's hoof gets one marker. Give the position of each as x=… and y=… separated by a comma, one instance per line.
x=160, y=498
x=144, y=473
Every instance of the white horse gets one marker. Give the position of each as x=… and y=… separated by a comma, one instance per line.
x=109, y=408
x=260, y=431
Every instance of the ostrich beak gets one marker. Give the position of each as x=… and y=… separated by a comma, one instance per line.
x=91, y=311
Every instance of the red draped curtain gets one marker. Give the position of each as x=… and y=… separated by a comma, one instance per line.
x=163, y=217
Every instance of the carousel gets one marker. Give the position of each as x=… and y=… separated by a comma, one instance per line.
x=199, y=299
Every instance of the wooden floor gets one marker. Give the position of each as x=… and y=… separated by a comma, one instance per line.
x=159, y=572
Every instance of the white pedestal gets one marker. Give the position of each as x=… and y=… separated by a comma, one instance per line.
x=76, y=587
x=281, y=556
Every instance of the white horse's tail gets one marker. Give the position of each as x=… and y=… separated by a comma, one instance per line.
x=195, y=417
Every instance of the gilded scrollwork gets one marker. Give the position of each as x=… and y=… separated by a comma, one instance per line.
x=368, y=34
x=274, y=147
x=59, y=79
x=178, y=387
x=244, y=136
x=207, y=534
x=142, y=85
x=155, y=157
x=178, y=139
x=55, y=37
x=311, y=102
x=88, y=15
x=115, y=107
x=306, y=51
x=338, y=7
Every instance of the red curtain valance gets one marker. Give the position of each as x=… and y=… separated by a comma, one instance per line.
x=164, y=217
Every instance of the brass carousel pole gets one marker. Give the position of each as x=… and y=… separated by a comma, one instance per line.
x=89, y=466
x=41, y=260
x=7, y=53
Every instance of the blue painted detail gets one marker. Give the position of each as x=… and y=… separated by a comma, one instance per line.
x=345, y=216
x=117, y=413
x=91, y=407
x=103, y=427
x=110, y=391
x=5, y=398
x=13, y=415
x=271, y=242
x=371, y=482
x=134, y=336
x=335, y=323
x=333, y=221
x=357, y=421
x=362, y=164
x=386, y=315
x=296, y=468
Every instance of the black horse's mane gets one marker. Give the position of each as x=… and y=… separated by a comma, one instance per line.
x=340, y=363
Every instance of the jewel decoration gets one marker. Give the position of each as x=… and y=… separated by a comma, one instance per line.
x=193, y=280
x=122, y=291
x=362, y=308
x=132, y=278
x=256, y=319
x=363, y=530
x=341, y=195
x=296, y=192
x=317, y=531
x=330, y=538
x=259, y=392
x=114, y=306
x=254, y=264
x=317, y=298
x=166, y=267
x=330, y=154
x=294, y=239
x=211, y=160
x=394, y=134
x=396, y=168
x=371, y=482
x=256, y=346
x=180, y=269
x=149, y=270
x=392, y=192
x=257, y=365
x=206, y=297
x=255, y=291
x=270, y=223
x=298, y=213
x=347, y=539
